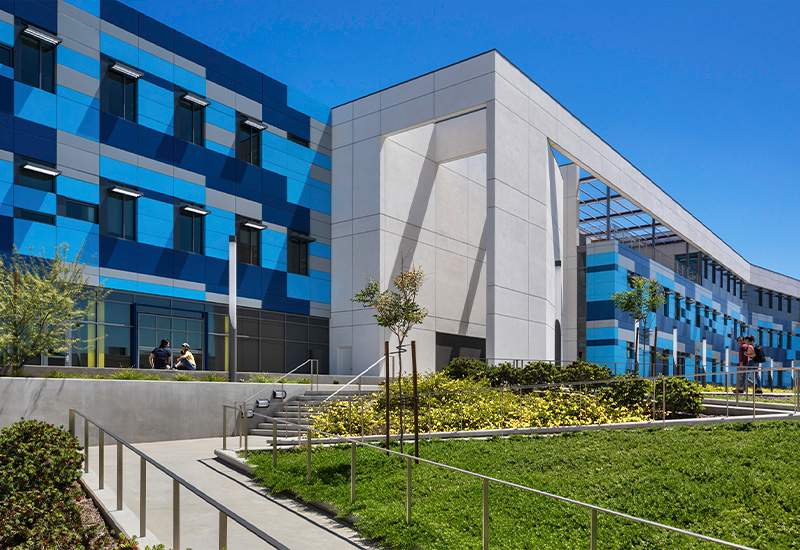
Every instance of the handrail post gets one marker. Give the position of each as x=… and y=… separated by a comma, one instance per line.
x=408, y=491
x=593, y=528
x=308, y=455
x=224, y=427
x=485, y=514
x=502, y=410
x=274, y=443
x=142, y=497
x=72, y=422
x=223, y=530
x=85, y=444
x=101, y=458
x=664, y=402
x=352, y=473
x=299, y=425
x=119, y=474
x=246, y=434
x=176, y=514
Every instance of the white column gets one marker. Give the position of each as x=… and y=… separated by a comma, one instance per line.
x=674, y=349
x=232, y=307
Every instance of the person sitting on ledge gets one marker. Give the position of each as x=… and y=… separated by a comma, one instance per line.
x=186, y=360
x=161, y=357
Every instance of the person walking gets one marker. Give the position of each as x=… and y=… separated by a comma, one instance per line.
x=741, y=376
x=186, y=360
x=161, y=357
x=751, y=365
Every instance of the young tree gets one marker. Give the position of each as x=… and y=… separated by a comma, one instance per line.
x=41, y=303
x=644, y=298
x=396, y=310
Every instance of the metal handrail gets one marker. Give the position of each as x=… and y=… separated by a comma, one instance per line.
x=485, y=480
x=224, y=511
x=357, y=377
x=279, y=380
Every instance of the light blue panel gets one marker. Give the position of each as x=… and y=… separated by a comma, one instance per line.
x=271, y=141
x=119, y=50
x=216, y=244
x=7, y=193
x=300, y=167
x=274, y=158
x=155, y=125
x=765, y=324
x=35, y=200
x=120, y=284
x=77, y=189
x=6, y=171
x=604, y=258
x=63, y=222
x=273, y=250
x=221, y=149
x=275, y=168
x=601, y=333
x=666, y=282
x=158, y=290
x=83, y=241
x=320, y=290
x=7, y=72
x=36, y=238
x=189, y=294
x=221, y=221
x=189, y=191
x=6, y=210
x=189, y=81
x=89, y=6
x=321, y=160
x=300, y=152
x=154, y=222
x=34, y=104
x=314, y=274
x=155, y=93
x=301, y=102
x=78, y=97
x=310, y=196
x=222, y=116
x=320, y=250
x=78, y=119
x=79, y=62
x=297, y=286
x=154, y=181
x=6, y=33
x=119, y=171
x=157, y=66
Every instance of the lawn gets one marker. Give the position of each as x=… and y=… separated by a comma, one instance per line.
x=736, y=482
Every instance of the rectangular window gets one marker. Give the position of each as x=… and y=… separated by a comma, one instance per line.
x=6, y=56
x=121, y=213
x=788, y=304
x=37, y=217
x=713, y=273
x=190, y=229
x=788, y=340
x=248, y=141
x=677, y=306
x=122, y=92
x=248, y=243
x=629, y=350
x=780, y=302
x=38, y=175
x=666, y=308
x=298, y=140
x=81, y=211
x=769, y=296
x=298, y=252
x=760, y=297
x=190, y=119
x=780, y=340
x=38, y=60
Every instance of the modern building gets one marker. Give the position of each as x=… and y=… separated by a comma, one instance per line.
x=149, y=150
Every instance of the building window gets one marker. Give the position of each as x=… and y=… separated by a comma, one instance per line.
x=630, y=278
x=38, y=59
x=788, y=340
x=629, y=350
x=248, y=242
x=37, y=217
x=81, y=211
x=121, y=212
x=38, y=175
x=788, y=304
x=780, y=302
x=190, y=118
x=769, y=301
x=6, y=56
x=760, y=297
x=248, y=141
x=780, y=340
x=677, y=306
x=190, y=229
x=122, y=91
x=298, y=252
x=298, y=140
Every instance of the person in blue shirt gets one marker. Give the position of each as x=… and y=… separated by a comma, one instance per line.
x=161, y=357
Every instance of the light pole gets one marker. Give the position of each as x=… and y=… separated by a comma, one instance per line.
x=232, y=307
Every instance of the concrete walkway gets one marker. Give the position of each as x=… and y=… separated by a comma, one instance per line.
x=292, y=524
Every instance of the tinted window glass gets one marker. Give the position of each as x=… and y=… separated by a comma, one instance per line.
x=116, y=94
x=5, y=56
x=36, y=180
x=29, y=61
x=37, y=217
x=81, y=211
x=183, y=121
x=48, y=67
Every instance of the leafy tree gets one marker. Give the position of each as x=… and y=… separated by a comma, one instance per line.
x=645, y=297
x=41, y=303
x=397, y=310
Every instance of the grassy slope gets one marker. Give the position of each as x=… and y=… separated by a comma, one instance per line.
x=737, y=482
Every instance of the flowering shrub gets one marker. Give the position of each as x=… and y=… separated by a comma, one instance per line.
x=683, y=395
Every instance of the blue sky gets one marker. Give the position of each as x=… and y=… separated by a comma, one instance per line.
x=702, y=97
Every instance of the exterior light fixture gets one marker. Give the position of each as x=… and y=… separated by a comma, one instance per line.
x=127, y=71
x=254, y=124
x=262, y=403
x=196, y=210
x=126, y=192
x=46, y=170
x=254, y=225
x=41, y=35
x=278, y=394
x=197, y=100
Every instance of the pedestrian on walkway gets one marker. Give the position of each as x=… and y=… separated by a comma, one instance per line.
x=741, y=378
x=751, y=364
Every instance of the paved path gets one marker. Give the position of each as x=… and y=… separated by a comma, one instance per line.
x=289, y=522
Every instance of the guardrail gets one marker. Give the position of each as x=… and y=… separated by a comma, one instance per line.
x=485, y=481
x=313, y=362
x=177, y=482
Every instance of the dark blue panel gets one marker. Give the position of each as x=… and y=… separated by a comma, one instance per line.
x=598, y=311
x=117, y=253
x=190, y=49
x=189, y=267
x=154, y=260
x=7, y=6
x=190, y=156
x=599, y=268
x=298, y=124
x=44, y=132
x=216, y=275
x=248, y=179
x=221, y=64
x=40, y=13
x=156, y=196
x=157, y=33
x=247, y=91
x=277, y=106
x=287, y=305
x=273, y=185
x=223, y=81
x=6, y=134
x=156, y=145
x=249, y=281
x=605, y=342
x=271, y=213
x=34, y=147
x=220, y=166
x=273, y=283
x=225, y=186
x=120, y=15
x=6, y=95
x=273, y=89
x=274, y=118
x=249, y=77
x=301, y=219
x=119, y=133
x=158, y=81
x=6, y=233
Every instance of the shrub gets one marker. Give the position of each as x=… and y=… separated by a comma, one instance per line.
x=462, y=368
x=683, y=395
x=211, y=377
x=261, y=379
x=535, y=373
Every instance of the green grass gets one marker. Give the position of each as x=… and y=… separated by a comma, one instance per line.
x=736, y=482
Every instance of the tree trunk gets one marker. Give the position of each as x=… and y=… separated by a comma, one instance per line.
x=400, y=384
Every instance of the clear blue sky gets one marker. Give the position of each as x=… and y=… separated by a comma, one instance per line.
x=702, y=97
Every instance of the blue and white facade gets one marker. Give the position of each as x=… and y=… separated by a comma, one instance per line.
x=147, y=151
